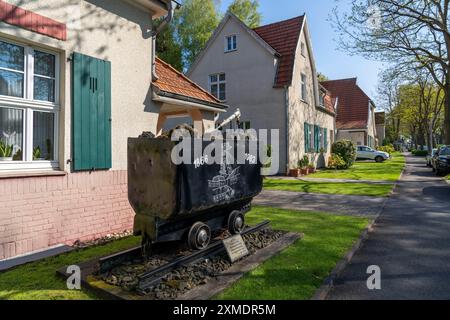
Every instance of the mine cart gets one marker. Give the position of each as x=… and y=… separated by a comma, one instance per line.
x=188, y=201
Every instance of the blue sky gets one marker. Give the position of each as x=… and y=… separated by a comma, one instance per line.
x=330, y=60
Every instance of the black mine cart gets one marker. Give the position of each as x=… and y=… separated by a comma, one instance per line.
x=188, y=201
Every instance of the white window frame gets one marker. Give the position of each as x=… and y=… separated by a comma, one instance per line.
x=303, y=83
x=218, y=83
x=28, y=105
x=303, y=49
x=233, y=37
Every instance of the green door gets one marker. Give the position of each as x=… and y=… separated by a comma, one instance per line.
x=91, y=113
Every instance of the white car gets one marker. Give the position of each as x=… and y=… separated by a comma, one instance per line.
x=367, y=153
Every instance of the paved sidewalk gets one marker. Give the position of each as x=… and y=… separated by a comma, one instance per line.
x=333, y=180
x=410, y=243
x=336, y=204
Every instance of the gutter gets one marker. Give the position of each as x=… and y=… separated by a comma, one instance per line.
x=158, y=30
x=176, y=99
x=286, y=106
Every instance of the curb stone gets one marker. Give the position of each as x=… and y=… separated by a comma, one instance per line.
x=328, y=283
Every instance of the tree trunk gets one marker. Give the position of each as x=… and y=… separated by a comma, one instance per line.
x=447, y=114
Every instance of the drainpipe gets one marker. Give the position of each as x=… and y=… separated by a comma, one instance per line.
x=158, y=30
x=286, y=106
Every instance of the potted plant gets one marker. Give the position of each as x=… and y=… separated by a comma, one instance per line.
x=311, y=168
x=304, y=165
x=37, y=154
x=6, y=151
x=296, y=172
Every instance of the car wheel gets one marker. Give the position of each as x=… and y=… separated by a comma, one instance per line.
x=379, y=159
x=438, y=172
x=433, y=169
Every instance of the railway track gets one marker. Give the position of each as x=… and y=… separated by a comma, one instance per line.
x=151, y=278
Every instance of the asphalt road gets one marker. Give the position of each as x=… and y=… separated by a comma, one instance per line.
x=410, y=243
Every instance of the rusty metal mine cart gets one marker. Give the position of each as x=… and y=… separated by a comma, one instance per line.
x=187, y=201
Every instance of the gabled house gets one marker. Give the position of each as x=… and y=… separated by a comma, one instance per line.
x=355, y=118
x=269, y=73
x=77, y=79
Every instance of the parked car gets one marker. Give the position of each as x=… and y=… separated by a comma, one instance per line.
x=430, y=157
x=367, y=153
x=441, y=161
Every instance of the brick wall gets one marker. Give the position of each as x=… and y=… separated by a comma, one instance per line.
x=39, y=212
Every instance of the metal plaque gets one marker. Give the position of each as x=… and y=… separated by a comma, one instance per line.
x=235, y=247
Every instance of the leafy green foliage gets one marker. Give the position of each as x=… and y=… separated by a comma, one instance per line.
x=387, y=148
x=303, y=162
x=247, y=11
x=194, y=24
x=5, y=149
x=36, y=153
x=419, y=153
x=336, y=162
x=167, y=48
x=346, y=150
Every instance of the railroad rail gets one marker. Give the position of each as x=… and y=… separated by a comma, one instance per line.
x=153, y=277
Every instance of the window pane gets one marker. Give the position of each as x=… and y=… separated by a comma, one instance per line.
x=11, y=134
x=213, y=78
x=44, y=89
x=222, y=77
x=11, y=83
x=11, y=56
x=214, y=90
x=229, y=45
x=234, y=42
x=43, y=136
x=222, y=95
x=44, y=64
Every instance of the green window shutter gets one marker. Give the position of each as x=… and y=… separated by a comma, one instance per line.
x=316, y=139
x=306, y=137
x=91, y=113
x=325, y=139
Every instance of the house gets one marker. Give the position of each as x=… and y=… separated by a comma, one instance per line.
x=355, y=118
x=380, y=123
x=77, y=79
x=269, y=73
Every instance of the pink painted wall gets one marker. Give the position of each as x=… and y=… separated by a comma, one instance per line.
x=43, y=211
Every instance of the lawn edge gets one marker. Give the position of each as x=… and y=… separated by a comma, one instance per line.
x=328, y=284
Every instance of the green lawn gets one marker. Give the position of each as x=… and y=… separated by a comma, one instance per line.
x=38, y=280
x=298, y=271
x=360, y=189
x=389, y=170
x=294, y=274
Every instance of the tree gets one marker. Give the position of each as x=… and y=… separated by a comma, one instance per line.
x=167, y=48
x=412, y=34
x=247, y=11
x=194, y=24
x=322, y=77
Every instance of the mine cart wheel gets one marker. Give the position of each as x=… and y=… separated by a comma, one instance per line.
x=236, y=222
x=146, y=247
x=199, y=236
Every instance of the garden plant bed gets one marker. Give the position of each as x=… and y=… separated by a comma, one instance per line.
x=197, y=280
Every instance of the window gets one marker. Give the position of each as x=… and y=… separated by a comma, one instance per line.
x=303, y=49
x=230, y=43
x=29, y=109
x=217, y=85
x=303, y=88
x=322, y=99
x=245, y=125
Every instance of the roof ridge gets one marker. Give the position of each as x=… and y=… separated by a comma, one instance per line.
x=281, y=21
x=187, y=79
x=344, y=79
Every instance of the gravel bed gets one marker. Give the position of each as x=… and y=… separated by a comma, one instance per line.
x=187, y=277
x=101, y=241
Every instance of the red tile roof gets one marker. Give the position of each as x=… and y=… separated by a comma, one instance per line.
x=353, y=104
x=172, y=81
x=283, y=37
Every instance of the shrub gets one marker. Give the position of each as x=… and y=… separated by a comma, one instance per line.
x=303, y=163
x=346, y=150
x=419, y=153
x=336, y=162
x=387, y=148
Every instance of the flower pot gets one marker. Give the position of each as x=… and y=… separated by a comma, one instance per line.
x=6, y=158
x=312, y=170
x=305, y=171
x=295, y=173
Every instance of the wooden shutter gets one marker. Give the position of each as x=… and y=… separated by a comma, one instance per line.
x=307, y=136
x=325, y=139
x=316, y=138
x=91, y=113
